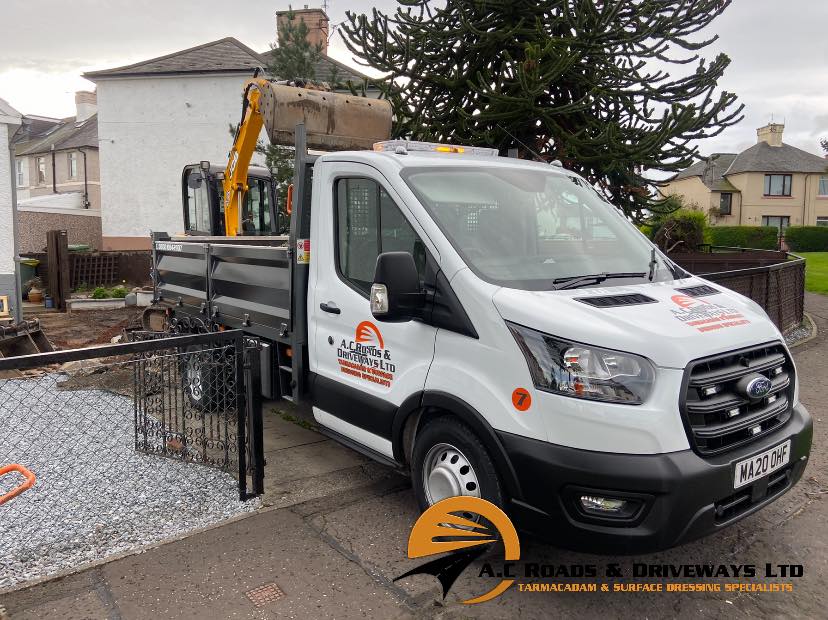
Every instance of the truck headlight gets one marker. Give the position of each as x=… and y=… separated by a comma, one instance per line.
x=582, y=371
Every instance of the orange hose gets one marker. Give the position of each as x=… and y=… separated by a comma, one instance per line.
x=29, y=482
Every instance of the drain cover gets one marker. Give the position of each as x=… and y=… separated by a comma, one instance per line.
x=268, y=593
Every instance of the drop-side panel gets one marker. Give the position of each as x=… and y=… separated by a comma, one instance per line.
x=250, y=289
x=181, y=276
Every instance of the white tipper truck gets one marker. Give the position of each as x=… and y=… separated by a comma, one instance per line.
x=494, y=327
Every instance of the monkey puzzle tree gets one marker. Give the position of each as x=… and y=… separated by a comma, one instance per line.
x=589, y=82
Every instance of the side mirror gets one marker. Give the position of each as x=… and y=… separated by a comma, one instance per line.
x=395, y=294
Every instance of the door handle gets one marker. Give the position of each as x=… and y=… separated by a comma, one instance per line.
x=329, y=307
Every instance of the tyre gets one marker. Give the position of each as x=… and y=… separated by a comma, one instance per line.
x=449, y=460
x=205, y=379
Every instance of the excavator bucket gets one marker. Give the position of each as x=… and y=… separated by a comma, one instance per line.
x=333, y=121
x=23, y=338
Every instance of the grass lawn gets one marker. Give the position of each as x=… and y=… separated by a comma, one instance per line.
x=816, y=271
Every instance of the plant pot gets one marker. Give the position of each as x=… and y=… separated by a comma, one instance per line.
x=48, y=302
x=35, y=296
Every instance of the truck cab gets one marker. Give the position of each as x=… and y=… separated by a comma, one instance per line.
x=495, y=328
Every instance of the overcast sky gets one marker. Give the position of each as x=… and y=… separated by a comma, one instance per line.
x=779, y=51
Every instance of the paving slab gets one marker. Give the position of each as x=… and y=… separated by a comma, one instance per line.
x=209, y=574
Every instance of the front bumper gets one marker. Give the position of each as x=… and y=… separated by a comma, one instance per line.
x=683, y=496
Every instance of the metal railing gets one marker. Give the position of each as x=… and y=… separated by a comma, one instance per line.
x=128, y=444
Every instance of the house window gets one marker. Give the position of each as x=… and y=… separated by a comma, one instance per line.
x=823, y=186
x=725, y=203
x=780, y=221
x=73, y=165
x=822, y=221
x=777, y=185
x=19, y=170
x=40, y=163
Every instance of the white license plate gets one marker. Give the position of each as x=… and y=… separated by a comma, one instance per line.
x=762, y=464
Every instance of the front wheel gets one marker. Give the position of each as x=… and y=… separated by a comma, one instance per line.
x=449, y=460
x=207, y=379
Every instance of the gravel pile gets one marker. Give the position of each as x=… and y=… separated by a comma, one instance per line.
x=94, y=496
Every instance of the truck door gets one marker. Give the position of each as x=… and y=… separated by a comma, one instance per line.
x=364, y=369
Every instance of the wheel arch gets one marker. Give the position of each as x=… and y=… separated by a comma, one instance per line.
x=417, y=409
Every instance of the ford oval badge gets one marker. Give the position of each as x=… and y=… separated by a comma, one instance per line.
x=758, y=387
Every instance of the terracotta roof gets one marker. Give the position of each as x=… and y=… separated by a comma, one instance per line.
x=762, y=157
x=226, y=55
x=68, y=135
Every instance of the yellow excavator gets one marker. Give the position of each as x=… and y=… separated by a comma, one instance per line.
x=236, y=204
x=240, y=199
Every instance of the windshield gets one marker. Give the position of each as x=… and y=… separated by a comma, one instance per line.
x=526, y=228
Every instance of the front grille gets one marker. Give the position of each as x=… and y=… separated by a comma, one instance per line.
x=613, y=301
x=720, y=417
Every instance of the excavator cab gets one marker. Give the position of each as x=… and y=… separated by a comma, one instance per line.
x=203, y=200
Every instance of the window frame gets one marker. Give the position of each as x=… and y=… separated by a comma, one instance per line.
x=768, y=181
x=729, y=203
x=822, y=179
x=18, y=171
x=41, y=159
x=208, y=188
x=780, y=228
x=336, y=237
x=823, y=219
x=72, y=162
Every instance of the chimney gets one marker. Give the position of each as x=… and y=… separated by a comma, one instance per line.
x=86, y=104
x=771, y=133
x=315, y=19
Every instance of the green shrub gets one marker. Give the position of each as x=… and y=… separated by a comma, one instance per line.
x=807, y=238
x=647, y=230
x=119, y=292
x=100, y=293
x=681, y=231
x=757, y=237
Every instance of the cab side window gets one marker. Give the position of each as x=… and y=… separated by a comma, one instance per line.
x=369, y=223
x=198, y=203
x=256, y=208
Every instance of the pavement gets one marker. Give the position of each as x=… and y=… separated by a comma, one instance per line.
x=334, y=532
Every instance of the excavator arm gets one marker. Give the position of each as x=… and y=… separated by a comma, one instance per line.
x=238, y=161
x=333, y=122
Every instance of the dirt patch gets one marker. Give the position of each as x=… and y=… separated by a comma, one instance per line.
x=85, y=329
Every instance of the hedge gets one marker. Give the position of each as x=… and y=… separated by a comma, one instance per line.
x=807, y=238
x=757, y=237
x=681, y=231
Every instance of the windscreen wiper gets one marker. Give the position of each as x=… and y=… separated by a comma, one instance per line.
x=595, y=278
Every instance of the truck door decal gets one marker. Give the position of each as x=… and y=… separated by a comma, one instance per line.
x=366, y=357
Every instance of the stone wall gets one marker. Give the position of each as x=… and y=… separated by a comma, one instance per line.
x=33, y=226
